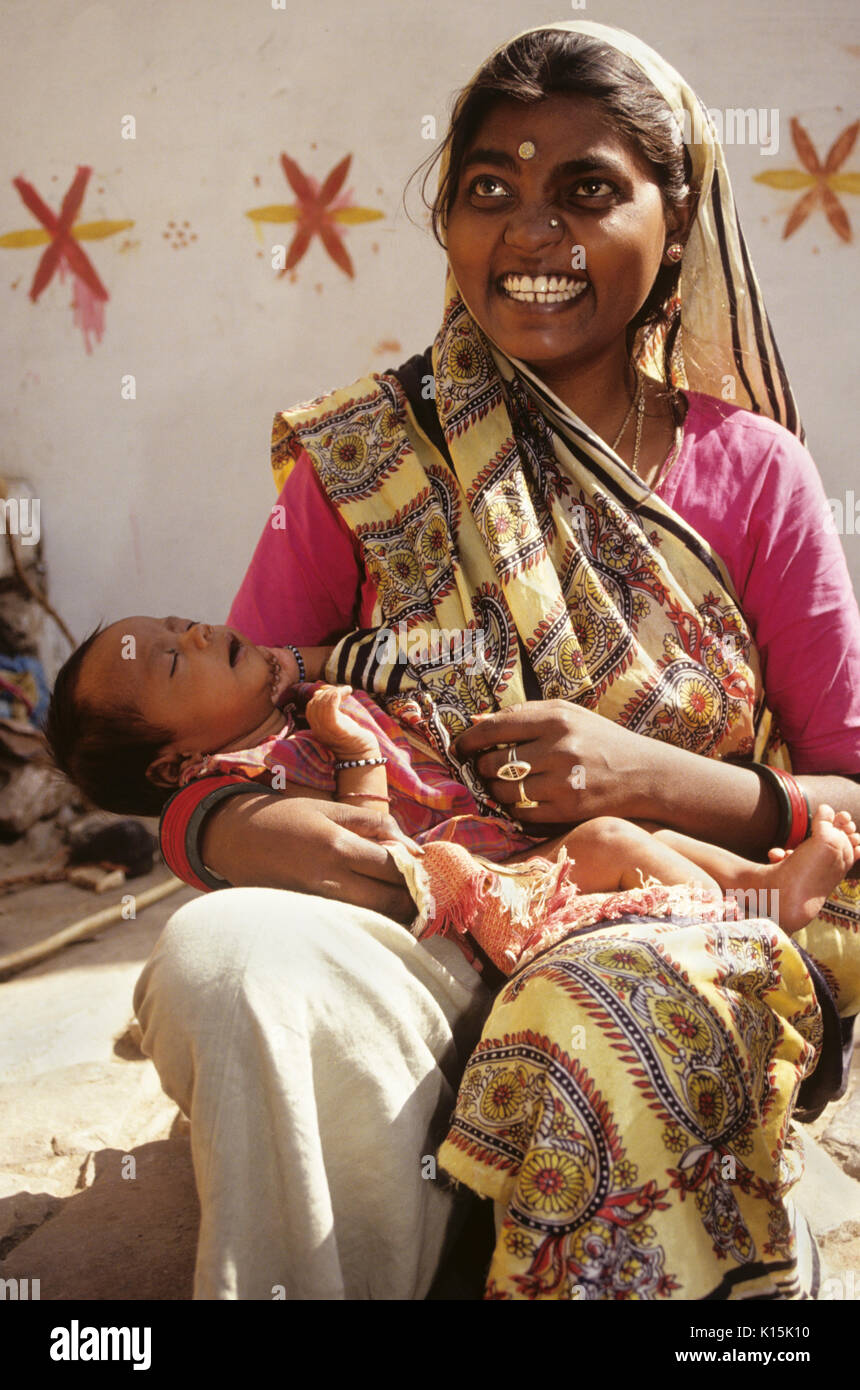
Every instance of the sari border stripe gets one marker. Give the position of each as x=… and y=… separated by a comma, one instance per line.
x=719, y=223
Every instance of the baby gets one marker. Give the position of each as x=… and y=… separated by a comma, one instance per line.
x=147, y=704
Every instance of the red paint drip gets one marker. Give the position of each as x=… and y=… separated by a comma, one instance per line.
x=89, y=311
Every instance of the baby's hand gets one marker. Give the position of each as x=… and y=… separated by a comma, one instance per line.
x=338, y=731
x=285, y=670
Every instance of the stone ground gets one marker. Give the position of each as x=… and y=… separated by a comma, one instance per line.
x=78, y=1102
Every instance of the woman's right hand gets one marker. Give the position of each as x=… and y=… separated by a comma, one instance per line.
x=321, y=847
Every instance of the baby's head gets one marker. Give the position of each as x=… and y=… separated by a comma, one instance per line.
x=141, y=701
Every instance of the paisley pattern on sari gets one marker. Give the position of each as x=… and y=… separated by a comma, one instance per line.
x=672, y=1182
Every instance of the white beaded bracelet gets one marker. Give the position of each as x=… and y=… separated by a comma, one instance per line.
x=288, y=647
x=360, y=762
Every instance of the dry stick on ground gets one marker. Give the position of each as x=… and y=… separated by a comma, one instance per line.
x=48, y=873
x=31, y=955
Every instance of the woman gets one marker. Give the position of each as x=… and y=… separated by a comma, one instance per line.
x=623, y=546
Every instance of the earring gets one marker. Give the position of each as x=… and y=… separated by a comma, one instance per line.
x=674, y=251
x=192, y=768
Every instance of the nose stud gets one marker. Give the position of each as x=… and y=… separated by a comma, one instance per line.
x=554, y=222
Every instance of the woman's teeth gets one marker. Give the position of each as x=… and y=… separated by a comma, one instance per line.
x=543, y=289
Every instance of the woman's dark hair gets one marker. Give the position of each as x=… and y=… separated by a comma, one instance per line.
x=552, y=61
x=104, y=751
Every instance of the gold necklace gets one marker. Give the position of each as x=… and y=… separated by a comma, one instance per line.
x=624, y=423
x=638, y=402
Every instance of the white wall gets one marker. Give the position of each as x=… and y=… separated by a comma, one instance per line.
x=154, y=504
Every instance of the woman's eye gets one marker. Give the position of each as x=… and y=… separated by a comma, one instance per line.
x=487, y=186
x=593, y=188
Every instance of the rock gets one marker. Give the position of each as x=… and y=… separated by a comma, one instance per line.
x=840, y=1259
x=22, y=1214
x=30, y=794
x=45, y=839
x=826, y=1196
x=841, y=1138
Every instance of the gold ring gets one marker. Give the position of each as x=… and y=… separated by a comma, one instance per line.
x=514, y=769
x=524, y=803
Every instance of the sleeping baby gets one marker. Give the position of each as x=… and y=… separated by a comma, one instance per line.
x=146, y=705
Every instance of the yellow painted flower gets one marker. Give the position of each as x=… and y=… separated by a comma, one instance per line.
x=621, y=958
x=348, y=453
x=570, y=658
x=624, y=1174
x=674, y=1138
x=564, y=1126
x=707, y=1099
x=461, y=362
x=404, y=567
x=502, y=524
x=697, y=704
x=503, y=1097
x=587, y=632
x=553, y=1182
x=389, y=424
x=434, y=540
x=518, y=1244
x=682, y=1025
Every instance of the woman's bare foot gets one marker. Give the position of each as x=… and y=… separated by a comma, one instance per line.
x=805, y=877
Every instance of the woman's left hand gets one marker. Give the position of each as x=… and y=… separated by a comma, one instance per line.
x=582, y=764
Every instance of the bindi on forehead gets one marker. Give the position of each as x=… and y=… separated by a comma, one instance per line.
x=566, y=124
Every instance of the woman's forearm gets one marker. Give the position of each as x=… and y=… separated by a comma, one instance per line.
x=331, y=850
x=725, y=803
x=706, y=798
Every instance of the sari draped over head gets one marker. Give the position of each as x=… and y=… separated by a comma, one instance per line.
x=550, y=569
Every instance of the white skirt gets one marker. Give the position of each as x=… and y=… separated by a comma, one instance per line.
x=316, y=1049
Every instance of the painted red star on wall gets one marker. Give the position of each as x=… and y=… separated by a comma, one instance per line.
x=320, y=210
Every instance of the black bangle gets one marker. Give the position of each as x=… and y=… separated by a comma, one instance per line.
x=288, y=647
x=194, y=828
x=786, y=810
x=360, y=762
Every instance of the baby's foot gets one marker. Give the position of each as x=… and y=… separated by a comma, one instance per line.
x=342, y=734
x=806, y=876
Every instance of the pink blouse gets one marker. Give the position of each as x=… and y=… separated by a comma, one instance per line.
x=746, y=485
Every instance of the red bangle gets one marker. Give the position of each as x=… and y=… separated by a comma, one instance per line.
x=801, y=812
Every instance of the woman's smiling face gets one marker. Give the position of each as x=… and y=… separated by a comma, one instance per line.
x=605, y=201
